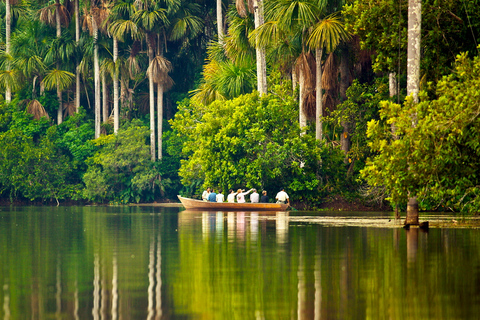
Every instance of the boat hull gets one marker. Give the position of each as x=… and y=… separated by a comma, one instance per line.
x=193, y=204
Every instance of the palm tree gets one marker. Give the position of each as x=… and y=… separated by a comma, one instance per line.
x=159, y=69
x=8, y=25
x=256, y=7
x=327, y=33
x=120, y=24
x=77, y=40
x=220, y=31
x=56, y=15
x=289, y=21
x=413, y=82
x=148, y=18
x=91, y=22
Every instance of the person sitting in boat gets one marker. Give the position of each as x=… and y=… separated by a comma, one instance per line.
x=220, y=196
x=231, y=196
x=254, y=197
x=212, y=197
x=264, y=197
x=241, y=195
x=205, y=194
x=282, y=197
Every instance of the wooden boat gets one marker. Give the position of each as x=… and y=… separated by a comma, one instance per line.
x=193, y=204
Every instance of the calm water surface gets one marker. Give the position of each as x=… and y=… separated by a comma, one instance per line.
x=162, y=263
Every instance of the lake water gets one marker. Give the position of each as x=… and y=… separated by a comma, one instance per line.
x=163, y=263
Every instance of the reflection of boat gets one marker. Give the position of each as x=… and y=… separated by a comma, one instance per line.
x=193, y=204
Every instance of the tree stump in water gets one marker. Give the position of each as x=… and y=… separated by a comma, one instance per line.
x=412, y=212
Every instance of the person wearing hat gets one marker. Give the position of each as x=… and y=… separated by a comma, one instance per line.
x=282, y=197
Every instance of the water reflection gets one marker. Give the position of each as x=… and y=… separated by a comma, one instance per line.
x=151, y=263
x=238, y=224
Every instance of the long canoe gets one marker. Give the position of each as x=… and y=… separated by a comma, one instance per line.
x=193, y=204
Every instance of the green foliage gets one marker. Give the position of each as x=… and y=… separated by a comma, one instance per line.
x=34, y=170
x=121, y=169
x=447, y=28
x=361, y=106
x=434, y=153
x=253, y=142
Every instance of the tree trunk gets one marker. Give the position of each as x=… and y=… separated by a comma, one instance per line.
x=392, y=84
x=160, y=118
x=59, y=34
x=96, y=76
x=319, y=95
x=413, y=81
x=260, y=52
x=8, y=26
x=104, y=98
x=151, y=90
x=414, y=47
x=116, y=121
x=77, y=72
x=302, y=117
x=220, y=21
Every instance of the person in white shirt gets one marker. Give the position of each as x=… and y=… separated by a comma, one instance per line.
x=254, y=197
x=282, y=197
x=220, y=196
x=231, y=196
x=205, y=194
x=241, y=195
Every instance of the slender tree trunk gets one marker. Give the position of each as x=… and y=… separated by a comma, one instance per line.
x=160, y=118
x=302, y=117
x=59, y=34
x=96, y=80
x=77, y=72
x=294, y=81
x=260, y=52
x=104, y=97
x=151, y=90
x=8, y=26
x=220, y=21
x=413, y=81
x=116, y=121
x=392, y=84
x=319, y=95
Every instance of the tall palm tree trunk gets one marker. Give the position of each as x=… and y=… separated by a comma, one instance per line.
x=302, y=116
x=115, y=87
x=413, y=81
x=8, y=26
x=104, y=97
x=160, y=118
x=220, y=21
x=59, y=34
x=96, y=79
x=319, y=95
x=77, y=72
x=260, y=52
x=151, y=91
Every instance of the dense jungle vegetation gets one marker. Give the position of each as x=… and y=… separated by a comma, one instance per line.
x=138, y=100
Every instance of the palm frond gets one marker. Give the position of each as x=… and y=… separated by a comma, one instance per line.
x=265, y=35
x=62, y=78
x=148, y=20
x=120, y=28
x=36, y=109
x=189, y=25
x=159, y=68
x=30, y=65
x=10, y=79
x=328, y=33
